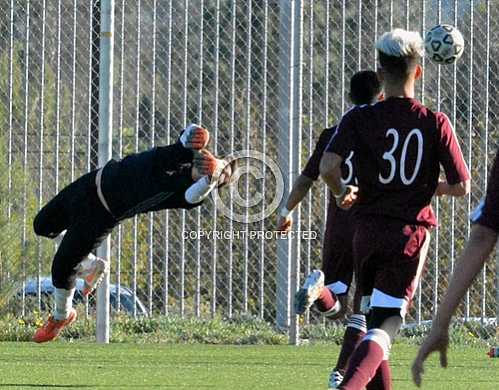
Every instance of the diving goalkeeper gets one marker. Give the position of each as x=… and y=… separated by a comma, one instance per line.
x=175, y=176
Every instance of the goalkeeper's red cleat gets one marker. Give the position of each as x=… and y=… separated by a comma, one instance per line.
x=52, y=328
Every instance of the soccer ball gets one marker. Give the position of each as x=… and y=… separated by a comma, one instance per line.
x=444, y=44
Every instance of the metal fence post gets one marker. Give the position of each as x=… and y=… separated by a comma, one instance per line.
x=283, y=287
x=290, y=102
x=105, y=148
x=294, y=334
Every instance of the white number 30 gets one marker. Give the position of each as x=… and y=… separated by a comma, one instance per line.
x=388, y=156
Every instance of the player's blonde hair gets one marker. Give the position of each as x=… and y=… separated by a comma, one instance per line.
x=401, y=43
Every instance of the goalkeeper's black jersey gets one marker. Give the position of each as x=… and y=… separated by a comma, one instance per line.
x=148, y=181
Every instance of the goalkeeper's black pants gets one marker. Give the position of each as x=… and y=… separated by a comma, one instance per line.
x=78, y=210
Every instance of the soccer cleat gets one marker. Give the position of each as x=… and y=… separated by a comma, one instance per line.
x=310, y=292
x=91, y=270
x=195, y=137
x=52, y=328
x=335, y=379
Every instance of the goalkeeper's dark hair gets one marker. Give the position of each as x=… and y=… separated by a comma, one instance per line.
x=364, y=87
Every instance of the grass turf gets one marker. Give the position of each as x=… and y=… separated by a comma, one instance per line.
x=148, y=366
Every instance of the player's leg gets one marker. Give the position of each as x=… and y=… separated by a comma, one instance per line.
x=356, y=325
x=383, y=378
x=370, y=359
x=396, y=281
x=91, y=225
x=54, y=217
x=314, y=290
x=338, y=272
x=356, y=329
x=58, y=214
x=79, y=240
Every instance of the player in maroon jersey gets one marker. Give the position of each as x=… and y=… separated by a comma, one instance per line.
x=480, y=245
x=398, y=145
x=337, y=261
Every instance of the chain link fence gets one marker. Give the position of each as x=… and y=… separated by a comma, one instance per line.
x=263, y=76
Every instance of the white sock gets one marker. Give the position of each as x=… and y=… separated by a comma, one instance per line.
x=358, y=321
x=63, y=303
x=380, y=337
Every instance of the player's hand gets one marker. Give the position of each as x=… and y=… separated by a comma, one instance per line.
x=195, y=137
x=442, y=188
x=348, y=199
x=284, y=224
x=206, y=163
x=437, y=340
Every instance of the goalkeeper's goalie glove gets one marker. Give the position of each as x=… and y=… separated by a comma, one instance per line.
x=207, y=164
x=195, y=137
x=215, y=173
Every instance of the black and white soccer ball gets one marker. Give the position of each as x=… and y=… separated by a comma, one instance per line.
x=444, y=44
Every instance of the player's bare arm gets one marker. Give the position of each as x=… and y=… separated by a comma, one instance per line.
x=478, y=249
x=457, y=190
x=330, y=169
x=305, y=180
x=300, y=189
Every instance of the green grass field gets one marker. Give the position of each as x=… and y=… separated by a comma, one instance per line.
x=148, y=366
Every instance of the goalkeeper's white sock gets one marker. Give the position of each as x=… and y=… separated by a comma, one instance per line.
x=63, y=303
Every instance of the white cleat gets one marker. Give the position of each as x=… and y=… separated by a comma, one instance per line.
x=310, y=291
x=91, y=270
x=335, y=379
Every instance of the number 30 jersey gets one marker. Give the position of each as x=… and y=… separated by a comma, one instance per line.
x=398, y=146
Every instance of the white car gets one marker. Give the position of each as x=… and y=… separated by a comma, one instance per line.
x=47, y=289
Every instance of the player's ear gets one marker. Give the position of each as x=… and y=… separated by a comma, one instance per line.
x=418, y=72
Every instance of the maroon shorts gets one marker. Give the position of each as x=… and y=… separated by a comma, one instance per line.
x=389, y=259
x=337, y=255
